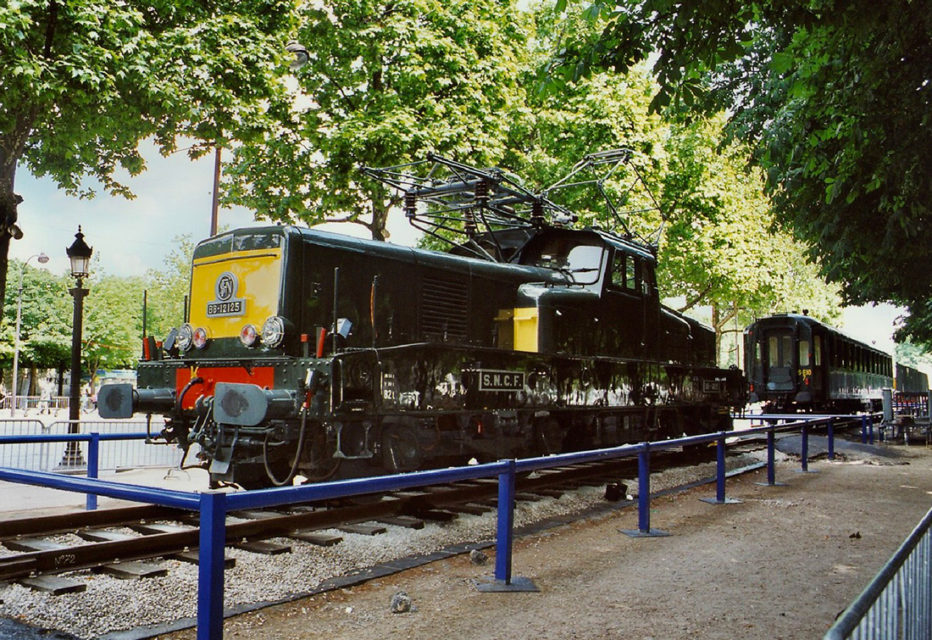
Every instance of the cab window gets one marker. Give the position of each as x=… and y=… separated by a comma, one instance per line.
x=646, y=276
x=624, y=272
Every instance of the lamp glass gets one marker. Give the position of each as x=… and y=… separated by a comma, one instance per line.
x=80, y=256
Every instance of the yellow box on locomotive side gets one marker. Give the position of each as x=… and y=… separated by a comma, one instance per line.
x=526, y=329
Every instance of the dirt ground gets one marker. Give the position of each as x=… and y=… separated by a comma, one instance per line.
x=782, y=564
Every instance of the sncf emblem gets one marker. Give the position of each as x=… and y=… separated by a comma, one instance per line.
x=493, y=380
x=226, y=302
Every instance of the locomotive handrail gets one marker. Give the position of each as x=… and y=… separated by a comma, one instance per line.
x=214, y=505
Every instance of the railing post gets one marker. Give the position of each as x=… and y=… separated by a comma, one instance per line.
x=870, y=428
x=644, y=530
x=720, y=475
x=644, y=490
x=831, y=438
x=504, y=537
x=771, y=467
x=771, y=475
x=44, y=450
x=863, y=429
x=720, y=470
x=506, y=516
x=210, y=566
x=93, y=468
x=804, y=449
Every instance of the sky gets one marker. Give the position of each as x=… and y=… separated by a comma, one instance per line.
x=174, y=198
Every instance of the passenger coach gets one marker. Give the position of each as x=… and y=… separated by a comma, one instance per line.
x=796, y=363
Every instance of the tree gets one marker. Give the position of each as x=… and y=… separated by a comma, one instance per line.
x=168, y=289
x=720, y=248
x=913, y=355
x=387, y=81
x=112, y=322
x=112, y=314
x=44, y=341
x=84, y=81
x=834, y=96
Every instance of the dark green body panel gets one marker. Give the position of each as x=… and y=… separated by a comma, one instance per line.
x=428, y=374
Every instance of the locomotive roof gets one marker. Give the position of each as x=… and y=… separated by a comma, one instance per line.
x=272, y=236
x=627, y=246
x=799, y=318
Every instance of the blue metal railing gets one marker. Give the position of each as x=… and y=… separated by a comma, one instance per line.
x=897, y=604
x=214, y=505
x=46, y=454
x=93, y=441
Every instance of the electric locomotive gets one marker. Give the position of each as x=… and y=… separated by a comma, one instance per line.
x=796, y=363
x=316, y=354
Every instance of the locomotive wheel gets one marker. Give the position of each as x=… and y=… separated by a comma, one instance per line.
x=548, y=436
x=400, y=448
x=253, y=476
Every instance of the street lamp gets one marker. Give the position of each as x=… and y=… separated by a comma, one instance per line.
x=80, y=256
x=19, y=316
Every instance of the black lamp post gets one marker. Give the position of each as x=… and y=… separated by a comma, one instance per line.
x=80, y=256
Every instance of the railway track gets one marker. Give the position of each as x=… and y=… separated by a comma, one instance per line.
x=123, y=542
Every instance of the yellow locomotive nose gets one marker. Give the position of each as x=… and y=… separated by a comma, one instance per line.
x=234, y=290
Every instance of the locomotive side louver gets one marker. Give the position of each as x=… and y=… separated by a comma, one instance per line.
x=443, y=309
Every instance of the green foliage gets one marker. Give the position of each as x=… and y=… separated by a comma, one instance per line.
x=835, y=99
x=386, y=83
x=168, y=289
x=112, y=314
x=84, y=81
x=720, y=247
x=46, y=318
x=87, y=80
x=913, y=355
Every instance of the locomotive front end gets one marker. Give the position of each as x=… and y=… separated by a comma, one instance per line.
x=224, y=380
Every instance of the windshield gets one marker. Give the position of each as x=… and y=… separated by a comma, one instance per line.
x=582, y=263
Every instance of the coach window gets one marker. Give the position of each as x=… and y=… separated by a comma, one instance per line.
x=780, y=351
x=817, y=351
x=803, y=352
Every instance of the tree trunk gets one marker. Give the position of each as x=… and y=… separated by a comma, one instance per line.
x=379, y=219
x=8, y=203
x=32, y=389
x=7, y=222
x=717, y=326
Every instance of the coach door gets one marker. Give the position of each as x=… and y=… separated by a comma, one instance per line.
x=778, y=361
x=815, y=362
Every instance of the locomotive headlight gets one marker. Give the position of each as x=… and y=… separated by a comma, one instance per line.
x=273, y=331
x=185, y=337
x=200, y=338
x=248, y=335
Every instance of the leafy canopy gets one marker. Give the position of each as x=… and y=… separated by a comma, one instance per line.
x=835, y=98
x=386, y=83
x=85, y=80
